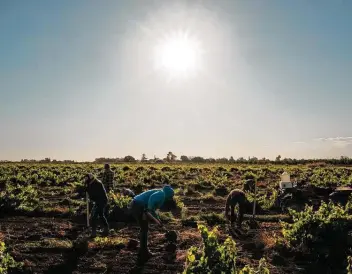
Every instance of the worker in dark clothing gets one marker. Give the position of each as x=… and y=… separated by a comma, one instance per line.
x=108, y=182
x=235, y=197
x=97, y=194
x=249, y=185
x=108, y=178
x=143, y=208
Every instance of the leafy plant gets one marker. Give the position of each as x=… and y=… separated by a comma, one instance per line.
x=118, y=200
x=349, y=265
x=213, y=218
x=16, y=197
x=166, y=217
x=324, y=233
x=107, y=242
x=7, y=262
x=214, y=257
x=249, y=176
x=266, y=200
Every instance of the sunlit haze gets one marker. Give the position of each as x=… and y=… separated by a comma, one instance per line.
x=85, y=79
x=178, y=54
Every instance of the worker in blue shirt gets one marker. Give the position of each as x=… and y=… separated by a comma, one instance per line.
x=143, y=209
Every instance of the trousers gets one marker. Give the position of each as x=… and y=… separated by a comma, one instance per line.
x=98, y=212
x=137, y=211
x=241, y=204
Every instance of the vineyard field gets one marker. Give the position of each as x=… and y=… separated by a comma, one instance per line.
x=43, y=217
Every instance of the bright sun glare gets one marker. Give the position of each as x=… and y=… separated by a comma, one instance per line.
x=178, y=54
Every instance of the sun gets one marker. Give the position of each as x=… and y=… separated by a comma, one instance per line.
x=178, y=54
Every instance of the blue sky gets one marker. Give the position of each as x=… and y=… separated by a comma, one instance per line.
x=77, y=79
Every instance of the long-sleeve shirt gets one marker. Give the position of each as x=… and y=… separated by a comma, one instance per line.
x=154, y=199
x=108, y=179
x=97, y=193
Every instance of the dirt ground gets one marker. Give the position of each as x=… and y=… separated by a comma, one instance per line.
x=51, y=245
x=58, y=244
x=48, y=240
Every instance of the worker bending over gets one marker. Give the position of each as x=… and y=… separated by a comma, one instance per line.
x=143, y=209
x=235, y=197
x=97, y=194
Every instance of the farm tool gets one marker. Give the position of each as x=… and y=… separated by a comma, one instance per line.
x=170, y=235
x=84, y=228
x=87, y=209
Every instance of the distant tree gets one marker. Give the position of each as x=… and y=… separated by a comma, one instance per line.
x=68, y=161
x=171, y=157
x=157, y=160
x=241, y=160
x=103, y=160
x=278, y=158
x=210, y=160
x=222, y=160
x=264, y=161
x=129, y=159
x=184, y=158
x=198, y=159
x=253, y=160
x=46, y=160
x=231, y=160
x=144, y=157
x=168, y=156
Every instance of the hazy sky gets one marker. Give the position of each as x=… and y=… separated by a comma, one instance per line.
x=78, y=80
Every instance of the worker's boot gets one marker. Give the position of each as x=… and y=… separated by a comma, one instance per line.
x=94, y=232
x=144, y=255
x=106, y=231
x=149, y=254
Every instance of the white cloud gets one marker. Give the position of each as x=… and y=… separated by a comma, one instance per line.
x=335, y=139
x=338, y=142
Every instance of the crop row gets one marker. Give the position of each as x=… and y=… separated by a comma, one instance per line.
x=51, y=174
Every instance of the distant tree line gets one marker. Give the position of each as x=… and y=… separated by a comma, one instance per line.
x=172, y=158
x=47, y=160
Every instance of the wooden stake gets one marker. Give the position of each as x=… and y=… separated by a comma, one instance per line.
x=87, y=201
x=255, y=198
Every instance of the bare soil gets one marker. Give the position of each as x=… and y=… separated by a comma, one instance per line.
x=48, y=245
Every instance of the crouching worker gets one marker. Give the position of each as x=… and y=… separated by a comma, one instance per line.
x=235, y=197
x=128, y=192
x=97, y=194
x=143, y=207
